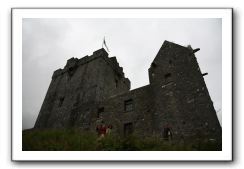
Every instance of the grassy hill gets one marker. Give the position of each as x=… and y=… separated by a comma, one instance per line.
x=74, y=140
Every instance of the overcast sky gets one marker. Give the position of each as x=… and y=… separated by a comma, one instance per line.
x=49, y=43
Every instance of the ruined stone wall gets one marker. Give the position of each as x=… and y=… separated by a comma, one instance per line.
x=139, y=116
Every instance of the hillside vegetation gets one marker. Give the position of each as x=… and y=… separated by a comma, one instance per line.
x=74, y=140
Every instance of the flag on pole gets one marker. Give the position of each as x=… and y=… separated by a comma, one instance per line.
x=104, y=43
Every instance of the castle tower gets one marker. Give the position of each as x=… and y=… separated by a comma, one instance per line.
x=182, y=102
x=94, y=89
x=76, y=90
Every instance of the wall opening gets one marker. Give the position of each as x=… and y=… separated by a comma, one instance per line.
x=100, y=111
x=61, y=100
x=128, y=129
x=128, y=105
x=71, y=72
x=167, y=76
x=116, y=83
x=167, y=134
x=154, y=65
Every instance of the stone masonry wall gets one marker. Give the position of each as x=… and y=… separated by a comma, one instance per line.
x=182, y=100
x=93, y=90
x=88, y=80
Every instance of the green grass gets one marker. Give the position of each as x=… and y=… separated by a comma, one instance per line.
x=74, y=140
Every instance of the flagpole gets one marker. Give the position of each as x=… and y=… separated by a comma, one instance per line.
x=104, y=44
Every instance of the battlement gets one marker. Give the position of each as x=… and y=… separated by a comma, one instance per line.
x=73, y=63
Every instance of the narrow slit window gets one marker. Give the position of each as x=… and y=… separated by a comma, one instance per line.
x=61, y=100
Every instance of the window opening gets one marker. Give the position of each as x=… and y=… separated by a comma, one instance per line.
x=128, y=105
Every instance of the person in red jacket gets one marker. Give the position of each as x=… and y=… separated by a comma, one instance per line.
x=101, y=130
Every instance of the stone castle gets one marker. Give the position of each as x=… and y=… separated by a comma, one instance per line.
x=94, y=90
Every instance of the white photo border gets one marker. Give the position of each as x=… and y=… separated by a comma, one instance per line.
x=18, y=14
